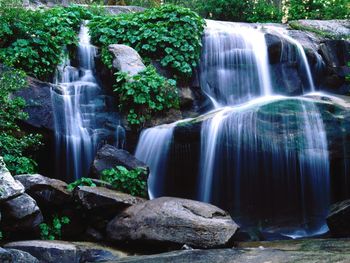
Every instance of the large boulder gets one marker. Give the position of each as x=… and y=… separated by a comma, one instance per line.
x=66, y=252
x=10, y=188
x=109, y=157
x=21, y=217
x=38, y=104
x=103, y=200
x=19, y=256
x=169, y=220
x=337, y=28
x=338, y=219
x=46, y=191
x=126, y=59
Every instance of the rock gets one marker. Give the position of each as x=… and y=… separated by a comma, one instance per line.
x=10, y=188
x=45, y=190
x=5, y=256
x=21, y=216
x=19, y=256
x=116, y=10
x=38, y=104
x=109, y=157
x=337, y=28
x=126, y=59
x=313, y=250
x=173, y=221
x=274, y=47
x=66, y=252
x=104, y=200
x=338, y=219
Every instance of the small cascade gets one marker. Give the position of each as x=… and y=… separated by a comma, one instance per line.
x=80, y=112
x=234, y=64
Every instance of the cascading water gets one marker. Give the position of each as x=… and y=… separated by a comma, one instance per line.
x=264, y=158
x=78, y=101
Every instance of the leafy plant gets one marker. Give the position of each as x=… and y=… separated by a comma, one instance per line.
x=14, y=143
x=53, y=231
x=144, y=95
x=132, y=182
x=34, y=40
x=169, y=34
x=81, y=182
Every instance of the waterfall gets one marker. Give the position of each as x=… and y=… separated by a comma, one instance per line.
x=234, y=63
x=78, y=104
x=263, y=157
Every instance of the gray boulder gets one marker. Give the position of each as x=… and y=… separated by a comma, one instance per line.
x=126, y=59
x=19, y=256
x=104, y=200
x=66, y=252
x=21, y=215
x=10, y=188
x=337, y=28
x=169, y=220
x=46, y=191
x=109, y=157
x=338, y=219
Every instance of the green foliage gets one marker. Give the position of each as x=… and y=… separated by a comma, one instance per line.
x=34, y=40
x=319, y=9
x=169, y=34
x=132, y=182
x=144, y=94
x=53, y=231
x=14, y=144
x=81, y=182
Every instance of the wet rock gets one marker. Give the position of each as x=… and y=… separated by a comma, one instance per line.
x=19, y=256
x=109, y=157
x=21, y=217
x=174, y=221
x=104, y=200
x=338, y=219
x=337, y=28
x=10, y=188
x=259, y=252
x=126, y=59
x=66, y=252
x=274, y=47
x=38, y=104
x=46, y=191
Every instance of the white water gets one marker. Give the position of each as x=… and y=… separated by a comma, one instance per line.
x=77, y=101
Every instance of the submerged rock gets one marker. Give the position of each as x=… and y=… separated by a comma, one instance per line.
x=10, y=188
x=126, y=59
x=338, y=219
x=169, y=220
x=109, y=157
x=66, y=252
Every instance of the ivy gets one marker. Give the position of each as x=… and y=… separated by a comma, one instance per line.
x=145, y=94
x=81, y=182
x=54, y=230
x=168, y=34
x=128, y=181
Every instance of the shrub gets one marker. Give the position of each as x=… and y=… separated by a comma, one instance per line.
x=34, y=40
x=53, y=231
x=169, y=34
x=132, y=182
x=144, y=95
x=82, y=181
x=14, y=144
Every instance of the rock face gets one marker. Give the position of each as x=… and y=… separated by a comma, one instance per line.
x=38, y=104
x=338, y=28
x=126, y=59
x=174, y=221
x=338, y=219
x=45, y=190
x=109, y=157
x=22, y=216
x=66, y=252
x=19, y=256
x=104, y=200
x=10, y=188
